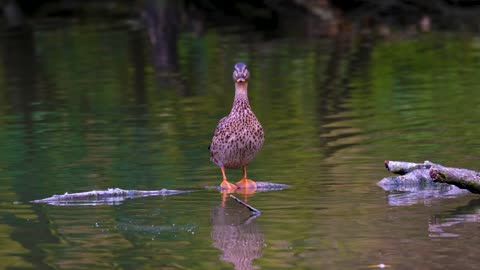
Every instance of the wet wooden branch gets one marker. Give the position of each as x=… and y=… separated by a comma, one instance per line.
x=251, y=208
x=430, y=173
x=462, y=178
x=402, y=167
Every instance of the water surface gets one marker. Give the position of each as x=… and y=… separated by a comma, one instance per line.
x=86, y=107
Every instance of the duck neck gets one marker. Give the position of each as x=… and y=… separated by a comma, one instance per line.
x=240, y=103
x=241, y=92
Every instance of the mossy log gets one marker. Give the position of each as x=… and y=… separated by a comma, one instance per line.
x=431, y=173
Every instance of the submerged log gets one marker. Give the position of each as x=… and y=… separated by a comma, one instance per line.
x=117, y=195
x=416, y=186
x=428, y=173
x=413, y=178
x=261, y=186
x=109, y=196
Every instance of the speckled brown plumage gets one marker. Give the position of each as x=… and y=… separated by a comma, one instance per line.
x=238, y=136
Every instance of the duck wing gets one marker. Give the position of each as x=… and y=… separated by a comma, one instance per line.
x=219, y=127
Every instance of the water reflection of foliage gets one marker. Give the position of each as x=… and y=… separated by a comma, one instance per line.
x=409, y=80
x=101, y=119
x=86, y=80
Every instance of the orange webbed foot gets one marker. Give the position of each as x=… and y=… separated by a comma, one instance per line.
x=228, y=187
x=247, y=185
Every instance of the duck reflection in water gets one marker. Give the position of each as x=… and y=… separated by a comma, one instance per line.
x=246, y=193
x=236, y=233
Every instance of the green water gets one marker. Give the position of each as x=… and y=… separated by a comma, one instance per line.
x=86, y=107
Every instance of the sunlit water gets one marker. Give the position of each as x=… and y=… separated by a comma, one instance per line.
x=85, y=107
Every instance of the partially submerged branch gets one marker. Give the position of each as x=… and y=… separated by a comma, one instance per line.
x=462, y=178
x=413, y=178
x=430, y=173
x=109, y=196
x=251, y=208
x=117, y=195
x=261, y=186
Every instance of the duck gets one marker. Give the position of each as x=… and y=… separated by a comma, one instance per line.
x=239, y=136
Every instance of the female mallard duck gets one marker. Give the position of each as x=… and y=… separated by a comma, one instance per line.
x=238, y=136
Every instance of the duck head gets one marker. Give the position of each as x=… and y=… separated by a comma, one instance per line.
x=240, y=73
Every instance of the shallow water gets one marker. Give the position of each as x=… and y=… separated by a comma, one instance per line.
x=86, y=107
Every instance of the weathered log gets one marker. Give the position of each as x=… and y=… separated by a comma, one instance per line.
x=411, y=179
x=109, y=196
x=428, y=173
x=462, y=178
x=411, y=173
x=416, y=187
x=402, y=167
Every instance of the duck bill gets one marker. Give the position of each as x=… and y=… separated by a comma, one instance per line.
x=239, y=80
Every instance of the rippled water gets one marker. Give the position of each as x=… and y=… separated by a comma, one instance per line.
x=84, y=107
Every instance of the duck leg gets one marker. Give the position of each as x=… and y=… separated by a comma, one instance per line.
x=246, y=183
x=225, y=185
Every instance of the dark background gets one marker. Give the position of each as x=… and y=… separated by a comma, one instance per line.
x=269, y=15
